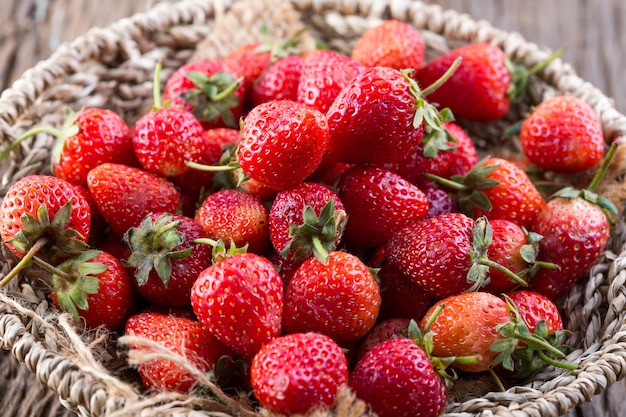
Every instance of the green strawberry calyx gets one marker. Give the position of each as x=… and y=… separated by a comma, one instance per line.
x=214, y=96
x=75, y=279
x=220, y=251
x=525, y=352
x=520, y=75
x=153, y=245
x=316, y=235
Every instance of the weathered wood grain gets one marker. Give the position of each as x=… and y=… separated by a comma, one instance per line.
x=591, y=31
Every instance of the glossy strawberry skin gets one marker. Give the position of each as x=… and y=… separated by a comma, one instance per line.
x=237, y=217
x=249, y=61
x=478, y=88
x=575, y=233
x=515, y=198
x=165, y=139
x=114, y=302
x=434, y=253
x=298, y=372
x=279, y=81
x=563, y=134
x=505, y=249
x=288, y=206
x=534, y=307
x=182, y=336
x=323, y=75
x=371, y=119
x=392, y=43
x=103, y=136
x=396, y=378
x=339, y=298
x=240, y=301
x=383, y=331
x=125, y=195
x=467, y=327
x=29, y=193
x=378, y=202
x=282, y=143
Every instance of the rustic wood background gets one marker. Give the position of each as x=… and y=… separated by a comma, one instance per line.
x=591, y=31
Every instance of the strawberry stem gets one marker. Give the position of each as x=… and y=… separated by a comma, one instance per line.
x=156, y=86
x=29, y=133
x=446, y=75
x=231, y=166
x=497, y=380
x=512, y=275
x=604, y=167
x=557, y=364
x=457, y=186
x=28, y=257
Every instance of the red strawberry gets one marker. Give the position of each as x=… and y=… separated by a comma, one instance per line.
x=125, y=195
x=378, y=203
x=299, y=372
x=383, y=331
x=92, y=136
x=237, y=217
x=439, y=202
x=279, y=81
x=208, y=89
x=303, y=222
x=240, y=301
x=45, y=214
x=339, y=298
x=324, y=74
x=377, y=117
x=282, y=143
x=98, y=290
x=563, y=134
x=401, y=298
x=463, y=155
x=392, y=43
x=183, y=337
x=165, y=259
x=396, y=378
x=478, y=90
x=534, y=308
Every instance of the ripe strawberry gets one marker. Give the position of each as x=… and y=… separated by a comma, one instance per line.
x=303, y=221
x=323, y=75
x=47, y=215
x=240, y=301
x=563, y=134
x=125, y=195
x=210, y=90
x=91, y=137
x=165, y=259
x=279, y=81
x=462, y=155
x=439, y=202
x=237, y=217
x=282, y=143
x=467, y=326
x=95, y=287
x=182, y=336
x=249, y=60
x=378, y=203
x=392, y=43
x=498, y=189
x=377, y=116
x=396, y=378
x=339, y=298
x=381, y=332
x=298, y=372
x=478, y=90
x=534, y=308
x=401, y=298
x=575, y=231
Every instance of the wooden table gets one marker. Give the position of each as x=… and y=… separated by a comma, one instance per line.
x=592, y=31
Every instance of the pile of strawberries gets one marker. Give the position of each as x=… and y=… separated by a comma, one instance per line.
x=309, y=221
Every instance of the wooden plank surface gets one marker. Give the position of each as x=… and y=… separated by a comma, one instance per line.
x=591, y=31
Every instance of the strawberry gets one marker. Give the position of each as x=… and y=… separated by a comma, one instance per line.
x=45, y=216
x=182, y=336
x=534, y=308
x=478, y=90
x=339, y=298
x=125, y=195
x=397, y=378
x=237, y=217
x=240, y=301
x=439, y=202
x=392, y=43
x=282, y=143
x=95, y=287
x=250, y=61
x=563, y=134
x=376, y=118
x=401, y=298
x=165, y=259
x=209, y=90
x=279, y=81
x=381, y=332
x=91, y=137
x=297, y=373
x=305, y=220
x=378, y=203
x=323, y=75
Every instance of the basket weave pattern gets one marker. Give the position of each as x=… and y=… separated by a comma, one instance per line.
x=112, y=68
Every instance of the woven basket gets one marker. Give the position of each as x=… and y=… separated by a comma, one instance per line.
x=112, y=68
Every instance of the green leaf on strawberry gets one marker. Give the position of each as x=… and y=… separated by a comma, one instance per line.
x=75, y=279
